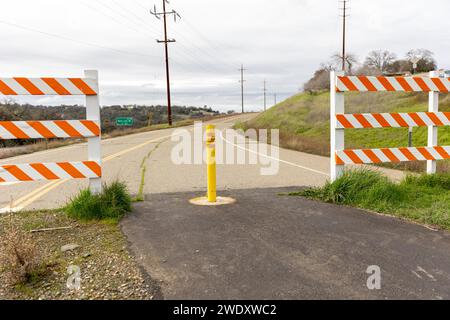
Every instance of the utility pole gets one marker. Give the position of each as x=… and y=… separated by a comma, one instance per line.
x=265, y=95
x=242, y=86
x=166, y=42
x=344, y=9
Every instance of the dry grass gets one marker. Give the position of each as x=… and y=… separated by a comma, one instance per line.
x=108, y=270
x=19, y=256
x=35, y=147
x=305, y=144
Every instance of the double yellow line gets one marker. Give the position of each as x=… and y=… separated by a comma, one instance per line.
x=28, y=199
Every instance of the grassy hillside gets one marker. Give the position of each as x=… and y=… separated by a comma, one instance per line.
x=304, y=123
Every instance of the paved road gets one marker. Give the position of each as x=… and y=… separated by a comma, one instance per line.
x=123, y=157
x=268, y=246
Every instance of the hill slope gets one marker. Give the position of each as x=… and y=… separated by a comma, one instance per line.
x=304, y=122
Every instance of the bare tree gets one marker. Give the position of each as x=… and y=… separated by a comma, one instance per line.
x=426, y=62
x=380, y=59
x=320, y=81
x=350, y=61
x=368, y=71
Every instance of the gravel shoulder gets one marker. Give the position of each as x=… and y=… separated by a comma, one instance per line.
x=107, y=269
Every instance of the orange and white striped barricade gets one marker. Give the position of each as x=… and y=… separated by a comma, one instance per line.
x=432, y=119
x=89, y=128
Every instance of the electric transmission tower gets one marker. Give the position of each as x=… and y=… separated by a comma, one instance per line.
x=166, y=42
x=242, y=85
x=345, y=8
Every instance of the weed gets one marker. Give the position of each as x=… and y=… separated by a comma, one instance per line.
x=19, y=256
x=112, y=203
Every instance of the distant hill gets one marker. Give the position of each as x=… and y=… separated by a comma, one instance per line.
x=304, y=122
x=142, y=115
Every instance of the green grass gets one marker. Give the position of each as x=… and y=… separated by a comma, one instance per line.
x=304, y=121
x=425, y=198
x=111, y=204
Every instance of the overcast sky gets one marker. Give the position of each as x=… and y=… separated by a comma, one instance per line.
x=282, y=41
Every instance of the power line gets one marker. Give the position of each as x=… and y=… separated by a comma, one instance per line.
x=73, y=40
x=103, y=13
x=209, y=43
x=215, y=54
x=185, y=52
x=123, y=15
x=166, y=42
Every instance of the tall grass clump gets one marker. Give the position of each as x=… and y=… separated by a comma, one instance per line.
x=20, y=258
x=423, y=198
x=362, y=187
x=112, y=203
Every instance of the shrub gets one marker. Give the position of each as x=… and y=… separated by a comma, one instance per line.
x=112, y=203
x=19, y=256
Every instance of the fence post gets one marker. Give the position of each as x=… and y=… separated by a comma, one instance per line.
x=433, y=106
x=94, y=143
x=337, y=140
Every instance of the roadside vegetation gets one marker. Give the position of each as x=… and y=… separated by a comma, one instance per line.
x=112, y=203
x=304, y=119
x=424, y=198
x=304, y=123
x=37, y=249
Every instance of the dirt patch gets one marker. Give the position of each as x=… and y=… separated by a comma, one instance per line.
x=99, y=250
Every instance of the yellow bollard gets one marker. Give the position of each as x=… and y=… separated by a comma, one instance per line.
x=211, y=198
x=211, y=162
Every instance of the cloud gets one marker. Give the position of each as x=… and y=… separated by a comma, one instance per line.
x=282, y=41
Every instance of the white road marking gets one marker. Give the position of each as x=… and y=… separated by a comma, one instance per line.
x=273, y=158
x=9, y=183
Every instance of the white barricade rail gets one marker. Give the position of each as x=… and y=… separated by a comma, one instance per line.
x=432, y=119
x=89, y=128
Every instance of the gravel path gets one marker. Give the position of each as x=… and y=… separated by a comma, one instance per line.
x=107, y=269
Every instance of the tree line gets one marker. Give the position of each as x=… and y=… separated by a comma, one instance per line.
x=142, y=115
x=376, y=63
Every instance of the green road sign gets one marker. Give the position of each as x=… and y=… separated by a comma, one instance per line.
x=124, y=122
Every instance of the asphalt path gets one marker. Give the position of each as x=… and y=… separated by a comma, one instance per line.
x=271, y=246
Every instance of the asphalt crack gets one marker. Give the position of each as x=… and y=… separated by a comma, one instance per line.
x=140, y=196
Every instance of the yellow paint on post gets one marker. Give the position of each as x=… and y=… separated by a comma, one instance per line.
x=211, y=199
x=211, y=162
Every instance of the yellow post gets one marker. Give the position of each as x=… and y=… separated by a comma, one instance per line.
x=211, y=198
x=211, y=161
